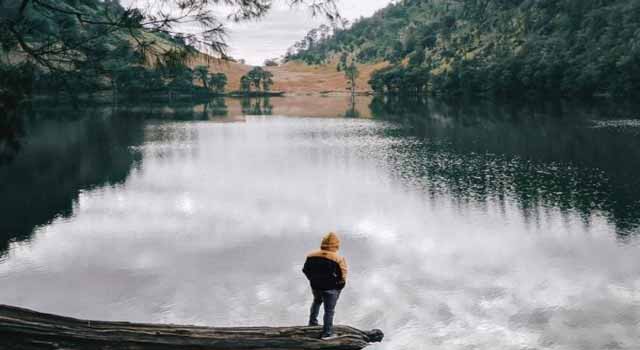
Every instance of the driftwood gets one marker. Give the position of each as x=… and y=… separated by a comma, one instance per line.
x=22, y=329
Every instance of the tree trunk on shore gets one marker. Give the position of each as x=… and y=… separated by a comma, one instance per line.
x=22, y=329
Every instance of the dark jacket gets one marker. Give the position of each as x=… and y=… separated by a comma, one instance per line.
x=325, y=270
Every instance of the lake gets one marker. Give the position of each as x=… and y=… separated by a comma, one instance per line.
x=466, y=224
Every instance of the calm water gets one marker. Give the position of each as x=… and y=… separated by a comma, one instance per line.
x=466, y=226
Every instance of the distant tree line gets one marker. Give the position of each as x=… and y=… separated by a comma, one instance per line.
x=313, y=49
x=493, y=47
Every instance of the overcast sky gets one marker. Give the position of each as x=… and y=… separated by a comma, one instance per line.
x=272, y=35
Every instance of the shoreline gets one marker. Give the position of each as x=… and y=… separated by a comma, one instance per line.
x=108, y=97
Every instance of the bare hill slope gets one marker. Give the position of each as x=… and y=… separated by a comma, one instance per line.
x=293, y=77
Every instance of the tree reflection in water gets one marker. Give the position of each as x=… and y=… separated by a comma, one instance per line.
x=539, y=154
x=11, y=131
x=256, y=105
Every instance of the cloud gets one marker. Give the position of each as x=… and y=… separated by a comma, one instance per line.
x=213, y=226
x=271, y=36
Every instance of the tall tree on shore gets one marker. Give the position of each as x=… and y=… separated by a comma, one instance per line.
x=217, y=82
x=267, y=80
x=245, y=84
x=202, y=73
x=352, y=73
x=348, y=65
x=255, y=76
x=212, y=82
x=260, y=78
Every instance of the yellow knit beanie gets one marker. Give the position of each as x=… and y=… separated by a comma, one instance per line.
x=330, y=242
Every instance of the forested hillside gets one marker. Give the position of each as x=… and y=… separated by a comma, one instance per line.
x=506, y=47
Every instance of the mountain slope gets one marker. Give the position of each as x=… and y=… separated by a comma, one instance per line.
x=297, y=77
x=568, y=47
x=294, y=77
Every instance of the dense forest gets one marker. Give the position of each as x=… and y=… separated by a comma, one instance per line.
x=493, y=47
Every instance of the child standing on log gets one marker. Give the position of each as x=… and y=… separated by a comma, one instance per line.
x=327, y=273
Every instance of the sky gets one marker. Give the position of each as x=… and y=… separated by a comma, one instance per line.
x=270, y=36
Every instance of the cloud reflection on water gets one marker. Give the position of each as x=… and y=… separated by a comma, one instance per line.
x=212, y=229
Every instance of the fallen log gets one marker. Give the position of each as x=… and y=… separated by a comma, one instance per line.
x=23, y=329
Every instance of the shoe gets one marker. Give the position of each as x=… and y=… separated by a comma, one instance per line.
x=313, y=324
x=328, y=336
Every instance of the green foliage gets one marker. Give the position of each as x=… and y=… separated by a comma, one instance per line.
x=138, y=80
x=218, y=82
x=15, y=82
x=267, y=80
x=312, y=49
x=211, y=82
x=347, y=64
x=514, y=47
x=400, y=80
x=202, y=73
x=352, y=73
x=245, y=84
x=256, y=106
x=259, y=78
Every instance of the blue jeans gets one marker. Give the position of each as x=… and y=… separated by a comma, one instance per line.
x=330, y=299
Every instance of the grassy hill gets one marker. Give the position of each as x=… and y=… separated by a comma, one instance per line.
x=294, y=77
x=562, y=47
x=298, y=77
